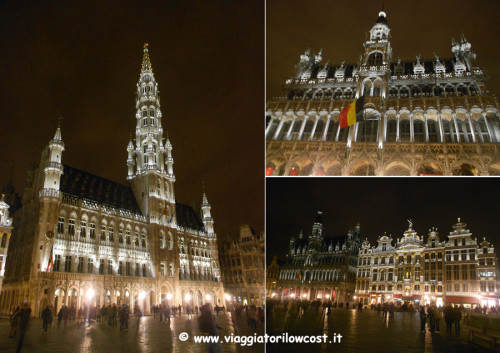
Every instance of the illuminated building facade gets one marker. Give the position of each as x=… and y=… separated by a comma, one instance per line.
x=242, y=265
x=459, y=270
x=319, y=267
x=5, y=233
x=272, y=275
x=112, y=243
x=421, y=117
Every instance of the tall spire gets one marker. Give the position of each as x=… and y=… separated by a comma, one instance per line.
x=146, y=63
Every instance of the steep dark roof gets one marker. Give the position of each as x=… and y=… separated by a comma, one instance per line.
x=188, y=218
x=84, y=185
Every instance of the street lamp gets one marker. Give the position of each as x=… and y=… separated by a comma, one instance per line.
x=188, y=297
x=208, y=297
x=90, y=293
x=228, y=297
x=169, y=296
x=142, y=295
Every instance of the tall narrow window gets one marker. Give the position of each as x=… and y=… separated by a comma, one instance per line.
x=101, y=267
x=90, y=265
x=67, y=264
x=60, y=225
x=92, y=231
x=57, y=263
x=103, y=232
x=71, y=227
x=110, y=267
x=143, y=270
x=83, y=229
x=80, y=265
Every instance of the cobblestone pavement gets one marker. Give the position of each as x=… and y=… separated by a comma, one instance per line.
x=151, y=336
x=368, y=332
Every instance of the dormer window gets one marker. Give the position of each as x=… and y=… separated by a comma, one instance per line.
x=375, y=59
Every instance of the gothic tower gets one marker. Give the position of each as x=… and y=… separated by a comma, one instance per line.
x=152, y=179
x=374, y=67
x=50, y=200
x=150, y=165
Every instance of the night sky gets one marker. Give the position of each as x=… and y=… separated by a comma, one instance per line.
x=81, y=60
x=339, y=27
x=380, y=205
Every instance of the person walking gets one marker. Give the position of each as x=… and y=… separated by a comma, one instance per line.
x=457, y=317
x=47, y=318
x=206, y=323
x=24, y=317
x=423, y=319
x=60, y=315
x=449, y=317
x=14, y=322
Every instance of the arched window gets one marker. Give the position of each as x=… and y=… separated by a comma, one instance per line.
x=418, y=131
x=426, y=91
x=462, y=131
x=375, y=59
x=450, y=90
x=432, y=129
x=338, y=94
x=482, y=130
x=284, y=130
x=367, y=87
x=393, y=93
x=318, y=132
x=344, y=133
x=367, y=130
x=448, y=131
x=331, y=134
x=404, y=92
x=404, y=130
x=143, y=240
x=327, y=95
x=392, y=126
x=377, y=88
x=438, y=91
x=162, y=241
x=462, y=90
x=415, y=91
x=306, y=134
x=348, y=93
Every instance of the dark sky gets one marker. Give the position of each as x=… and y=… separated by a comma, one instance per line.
x=339, y=27
x=82, y=60
x=380, y=205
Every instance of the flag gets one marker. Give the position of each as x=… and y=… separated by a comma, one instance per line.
x=164, y=210
x=349, y=116
x=51, y=260
x=299, y=275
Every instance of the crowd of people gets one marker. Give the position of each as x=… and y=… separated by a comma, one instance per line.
x=431, y=315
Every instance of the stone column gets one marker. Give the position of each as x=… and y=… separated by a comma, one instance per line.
x=397, y=127
x=471, y=126
x=280, y=126
x=441, y=129
x=314, y=128
x=327, y=125
x=426, y=129
x=287, y=137
x=302, y=127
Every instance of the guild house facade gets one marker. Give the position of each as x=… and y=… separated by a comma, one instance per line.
x=458, y=270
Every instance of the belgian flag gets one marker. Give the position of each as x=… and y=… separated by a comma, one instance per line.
x=352, y=114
